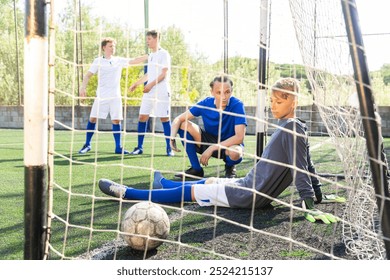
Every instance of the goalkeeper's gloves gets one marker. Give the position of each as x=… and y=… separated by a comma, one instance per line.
x=313, y=215
x=332, y=198
x=328, y=198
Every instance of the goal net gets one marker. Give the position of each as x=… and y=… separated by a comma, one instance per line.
x=322, y=37
x=84, y=223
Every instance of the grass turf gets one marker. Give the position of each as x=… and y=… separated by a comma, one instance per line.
x=91, y=219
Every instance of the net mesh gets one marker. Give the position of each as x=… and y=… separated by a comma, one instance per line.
x=85, y=223
x=324, y=46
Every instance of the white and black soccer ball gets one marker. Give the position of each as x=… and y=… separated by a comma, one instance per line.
x=142, y=223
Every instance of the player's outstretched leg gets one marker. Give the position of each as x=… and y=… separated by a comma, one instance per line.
x=174, y=195
x=111, y=188
x=159, y=182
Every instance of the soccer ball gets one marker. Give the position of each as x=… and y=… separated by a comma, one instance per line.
x=143, y=221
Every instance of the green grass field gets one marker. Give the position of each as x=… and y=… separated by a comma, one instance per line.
x=76, y=176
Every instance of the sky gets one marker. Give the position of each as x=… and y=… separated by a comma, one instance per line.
x=202, y=23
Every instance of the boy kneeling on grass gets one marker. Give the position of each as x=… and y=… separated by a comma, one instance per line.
x=272, y=174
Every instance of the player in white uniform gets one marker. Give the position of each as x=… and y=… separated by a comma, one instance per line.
x=156, y=101
x=108, y=93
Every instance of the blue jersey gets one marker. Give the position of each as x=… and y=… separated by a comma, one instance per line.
x=234, y=114
x=272, y=174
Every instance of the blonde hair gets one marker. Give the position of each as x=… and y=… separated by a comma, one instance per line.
x=287, y=87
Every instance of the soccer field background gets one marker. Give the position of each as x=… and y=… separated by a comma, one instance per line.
x=78, y=174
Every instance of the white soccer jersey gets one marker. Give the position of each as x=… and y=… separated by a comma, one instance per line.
x=109, y=75
x=157, y=61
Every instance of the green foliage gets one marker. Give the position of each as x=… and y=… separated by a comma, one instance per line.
x=185, y=94
x=11, y=54
x=385, y=71
x=292, y=70
x=191, y=72
x=133, y=74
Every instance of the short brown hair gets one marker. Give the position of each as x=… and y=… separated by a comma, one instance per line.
x=287, y=87
x=154, y=33
x=107, y=40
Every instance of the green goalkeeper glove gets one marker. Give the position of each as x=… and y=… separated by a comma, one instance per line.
x=332, y=198
x=328, y=198
x=313, y=215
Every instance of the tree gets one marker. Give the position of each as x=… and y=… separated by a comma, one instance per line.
x=78, y=49
x=385, y=71
x=11, y=53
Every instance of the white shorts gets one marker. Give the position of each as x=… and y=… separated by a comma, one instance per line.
x=156, y=105
x=214, y=193
x=102, y=106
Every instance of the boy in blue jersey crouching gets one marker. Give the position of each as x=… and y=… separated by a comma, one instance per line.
x=222, y=134
x=285, y=161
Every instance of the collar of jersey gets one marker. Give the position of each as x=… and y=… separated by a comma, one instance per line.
x=226, y=104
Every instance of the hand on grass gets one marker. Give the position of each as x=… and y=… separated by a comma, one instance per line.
x=313, y=215
x=332, y=198
x=328, y=198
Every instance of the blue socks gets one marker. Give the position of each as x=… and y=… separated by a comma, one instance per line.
x=142, y=127
x=168, y=184
x=174, y=195
x=141, y=133
x=191, y=150
x=167, y=133
x=159, y=182
x=90, y=126
x=230, y=162
x=116, y=128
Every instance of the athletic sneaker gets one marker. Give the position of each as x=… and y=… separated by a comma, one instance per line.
x=119, y=151
x=230, y=171
x=111, y=188
x=85, y=149
x=137, y=151
x=157, y=180
x=170, y=153
x=191, y=173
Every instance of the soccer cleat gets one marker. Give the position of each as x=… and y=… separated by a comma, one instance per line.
x=191, y=173
x=137, y=151
x=157, y=180
x=230, y=171
x=85, y=149
x=111, y=188
x=170, y=153
x=119, y=151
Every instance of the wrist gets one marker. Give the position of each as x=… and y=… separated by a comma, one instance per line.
x=308, y=203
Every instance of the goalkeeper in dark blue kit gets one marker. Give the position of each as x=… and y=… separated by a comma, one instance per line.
x=285, y=161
